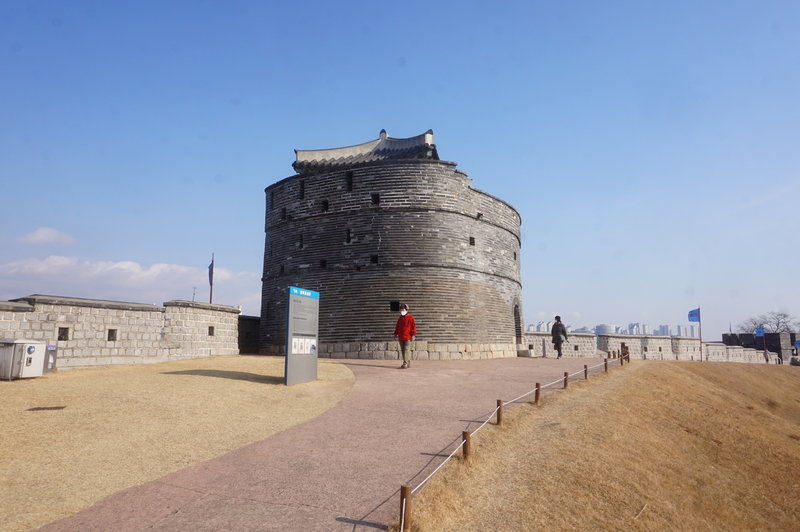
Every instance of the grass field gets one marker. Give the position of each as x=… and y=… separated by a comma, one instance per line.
x=124, y=426
x=652, y=446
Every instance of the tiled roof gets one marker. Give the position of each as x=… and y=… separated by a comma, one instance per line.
x=383, y=148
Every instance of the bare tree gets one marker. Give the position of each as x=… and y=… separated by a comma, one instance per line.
x=773, y=322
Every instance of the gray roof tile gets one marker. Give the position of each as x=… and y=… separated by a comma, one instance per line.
x=383, y=148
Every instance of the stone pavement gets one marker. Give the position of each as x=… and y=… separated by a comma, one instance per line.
x=340, y=471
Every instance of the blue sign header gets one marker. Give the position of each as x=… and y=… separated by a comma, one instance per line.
x=295, y=291
x=797, y=343
x=759, y=332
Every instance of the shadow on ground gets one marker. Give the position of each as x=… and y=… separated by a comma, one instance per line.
x=235, y=375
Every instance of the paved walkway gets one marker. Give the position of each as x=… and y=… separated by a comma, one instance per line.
x=340, y=471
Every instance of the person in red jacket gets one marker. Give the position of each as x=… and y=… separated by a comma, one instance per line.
x=404, y=332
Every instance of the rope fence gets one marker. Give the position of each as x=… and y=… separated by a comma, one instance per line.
x=407, y=493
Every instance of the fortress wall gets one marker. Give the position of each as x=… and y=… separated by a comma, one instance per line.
x=540, y=344
x=420, y=241
x=101, y=333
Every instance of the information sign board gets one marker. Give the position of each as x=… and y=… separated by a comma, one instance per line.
x=759, y=332
x=302, y=327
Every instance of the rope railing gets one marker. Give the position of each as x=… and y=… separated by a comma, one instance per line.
x=406, y=492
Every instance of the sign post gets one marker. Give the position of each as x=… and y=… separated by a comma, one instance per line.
x=301, y=336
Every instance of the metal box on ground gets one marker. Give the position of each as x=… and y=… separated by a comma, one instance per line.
x=21, y=359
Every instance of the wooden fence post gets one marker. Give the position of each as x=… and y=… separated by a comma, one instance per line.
x=405, y=507
x=566, y=378
x=536, y=395
x=605, y=365
x=465, y=435
x=585, y=372
x=499, y=411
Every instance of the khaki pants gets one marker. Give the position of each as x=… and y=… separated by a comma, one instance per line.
x=405, y=350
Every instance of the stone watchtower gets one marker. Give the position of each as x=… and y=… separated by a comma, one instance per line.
x=384, y=222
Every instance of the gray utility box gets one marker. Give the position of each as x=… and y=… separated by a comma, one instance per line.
x=22, y=359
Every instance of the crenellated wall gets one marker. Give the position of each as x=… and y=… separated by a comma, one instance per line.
x=679, y=348
x=540, y=344
x=89, y=332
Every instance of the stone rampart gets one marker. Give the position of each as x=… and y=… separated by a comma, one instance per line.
x=540, y=344
x=644, y=347
x=90, y=332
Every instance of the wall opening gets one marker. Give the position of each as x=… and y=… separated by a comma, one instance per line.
x=302, y=190
x=517, y=324
x=211, y=330
x=394, y=306
x=349, y=180
x=348, y=236
x=373, y=259
x=376, y=198
x=472, y=241
x=112, y=335
x=323, y=264
x=63, y=334
x=324, y=205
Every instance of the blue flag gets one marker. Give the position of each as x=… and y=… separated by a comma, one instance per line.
x=694, y=315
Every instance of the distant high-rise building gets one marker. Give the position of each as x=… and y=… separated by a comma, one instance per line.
x=605, y=328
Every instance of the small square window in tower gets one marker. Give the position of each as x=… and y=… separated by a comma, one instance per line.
x=112, y=335
x=376, y=199
x=63, y=334
x=394, y=306
x=325, y=205
x=472, y=241
x=210, y=330
x=373, y=259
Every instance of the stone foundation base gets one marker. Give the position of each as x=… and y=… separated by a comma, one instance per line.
x=421, y=350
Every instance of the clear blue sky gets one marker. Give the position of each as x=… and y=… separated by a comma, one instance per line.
x=652, y=148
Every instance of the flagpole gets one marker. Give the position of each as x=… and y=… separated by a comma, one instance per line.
x=700, y=332
x=211, y=280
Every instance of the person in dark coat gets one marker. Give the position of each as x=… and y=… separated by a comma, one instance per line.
x=559, y=333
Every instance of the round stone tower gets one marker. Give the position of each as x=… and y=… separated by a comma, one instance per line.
x=383, y=223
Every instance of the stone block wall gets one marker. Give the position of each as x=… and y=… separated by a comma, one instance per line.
x=421, y=350
x=540, y=344
x=679, y=348
x=201, y=329
x=90, y=332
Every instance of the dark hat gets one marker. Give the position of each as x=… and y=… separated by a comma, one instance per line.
x=558, y=318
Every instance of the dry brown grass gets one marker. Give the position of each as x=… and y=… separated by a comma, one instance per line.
x=652, y=446
x=124, y=426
